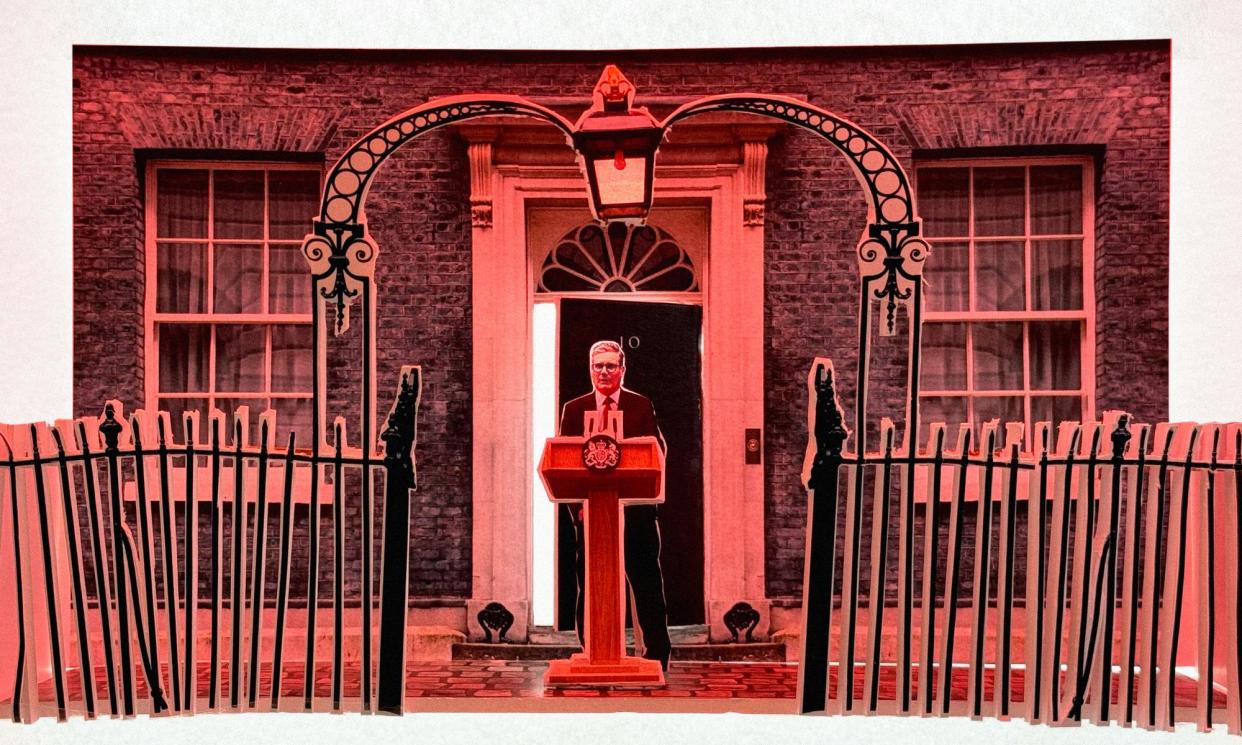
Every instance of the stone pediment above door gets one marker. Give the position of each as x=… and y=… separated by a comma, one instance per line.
x=720, y=142
x=715, y=138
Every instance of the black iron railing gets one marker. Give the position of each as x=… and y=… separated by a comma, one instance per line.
x=1103, y=571
x=126, y=534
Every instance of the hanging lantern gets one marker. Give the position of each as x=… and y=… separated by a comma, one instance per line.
x=616, y=146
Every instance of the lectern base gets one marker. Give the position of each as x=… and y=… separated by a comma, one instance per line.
x=578, y=670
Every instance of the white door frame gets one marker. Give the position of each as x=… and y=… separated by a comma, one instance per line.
x=733, y=317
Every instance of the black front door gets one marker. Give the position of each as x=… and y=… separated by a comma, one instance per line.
x=662, y=360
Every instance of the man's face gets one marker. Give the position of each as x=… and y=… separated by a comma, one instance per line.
x=607, y=371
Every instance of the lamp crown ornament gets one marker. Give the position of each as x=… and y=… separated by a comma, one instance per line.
x=614, y=92
x=616, y=144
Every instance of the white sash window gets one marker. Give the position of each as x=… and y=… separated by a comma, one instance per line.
x=1010, y=312
x=228, y=305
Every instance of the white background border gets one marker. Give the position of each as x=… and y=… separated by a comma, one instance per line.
x=36, y=236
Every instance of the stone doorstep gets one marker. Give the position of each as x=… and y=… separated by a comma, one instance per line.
x=689, y=634
x=432, y=643
x=690, y=643
x=741, y=652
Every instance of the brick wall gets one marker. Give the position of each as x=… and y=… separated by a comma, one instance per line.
x=1112, y=99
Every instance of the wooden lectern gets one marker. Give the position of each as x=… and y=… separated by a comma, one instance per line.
x=605, y=471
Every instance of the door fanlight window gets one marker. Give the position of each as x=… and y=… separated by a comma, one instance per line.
x=621, y=258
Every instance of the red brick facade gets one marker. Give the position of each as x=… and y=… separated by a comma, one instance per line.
x=1107, y=100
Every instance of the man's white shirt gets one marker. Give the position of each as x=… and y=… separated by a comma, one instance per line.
x=600, y=398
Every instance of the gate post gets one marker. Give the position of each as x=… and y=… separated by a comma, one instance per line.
x=820, y=475
x=400, y=434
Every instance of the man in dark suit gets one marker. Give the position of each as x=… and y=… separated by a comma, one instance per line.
x=642, y=529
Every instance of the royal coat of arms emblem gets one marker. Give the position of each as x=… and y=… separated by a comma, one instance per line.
x=600, y=454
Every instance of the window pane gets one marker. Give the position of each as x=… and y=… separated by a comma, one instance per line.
x=229, y=405
x=1056, y=409
x=1055, y=349
x=239, y=357
x=288, y=282
x=642, y=241
x=181, y=277
x=943, y=195
x=944, y=357
x=1005, y=408
x=678, y=279
x=239, y=204
x=293, y=201
x=997, y=356
x=1000, y=275
x=175, y=407
x=291, y=358
x=180, y=203
x=1056, y=275
x=585, y=254
x=184, y=349
x=946, y=274
x=999, y=201
x=293, y=414
x=238, y=278
x=948, y=409
x=1056, y=200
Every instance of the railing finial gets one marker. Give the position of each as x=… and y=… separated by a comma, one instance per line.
x=110, y=427
x=1121, y=436
x=828, y=423
x=402, y=423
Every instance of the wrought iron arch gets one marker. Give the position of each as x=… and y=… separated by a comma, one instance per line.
x=341, y=253
x=890, y=252
x=339, y=249
x=891, y=248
